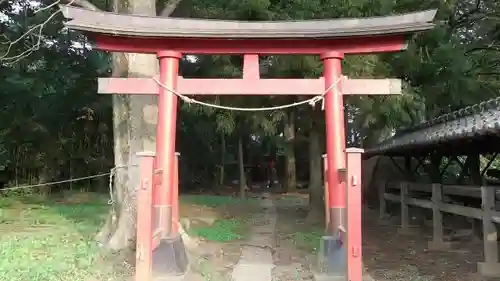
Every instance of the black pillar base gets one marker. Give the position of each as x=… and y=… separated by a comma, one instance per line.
x=170, y=258
x=332, y=257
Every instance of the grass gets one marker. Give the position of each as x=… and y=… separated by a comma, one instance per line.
x=221, y=231
x=214, y=201
x=309, y=241
x=45, y=240
x=229, y=225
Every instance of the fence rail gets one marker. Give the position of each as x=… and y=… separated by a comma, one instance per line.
x=487, y=214
x=473, y=191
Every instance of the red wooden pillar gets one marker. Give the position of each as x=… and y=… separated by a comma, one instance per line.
x=175, y=197
x=354, y=208
x=335, y=139
x=165, y=137
x=144, y=218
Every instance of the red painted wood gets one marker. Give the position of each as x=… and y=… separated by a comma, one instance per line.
x=335, y=132
x=264, y=87
x=358, y=45
x=251, y=67
x=354, y=211
x=166, y=192
x=165, y=133
x=144, y=219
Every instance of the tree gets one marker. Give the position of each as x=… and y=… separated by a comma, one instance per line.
x=66, y=125
x=132, y=132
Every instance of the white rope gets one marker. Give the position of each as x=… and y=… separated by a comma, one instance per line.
x=53, y=182
x=112, y=173
x=312, y=101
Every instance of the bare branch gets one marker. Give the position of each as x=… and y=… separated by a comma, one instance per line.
x=169, y=8
x=37, y=30
x=81, y=3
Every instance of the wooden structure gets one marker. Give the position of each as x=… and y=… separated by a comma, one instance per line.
x=460, y=137
x=171, y=38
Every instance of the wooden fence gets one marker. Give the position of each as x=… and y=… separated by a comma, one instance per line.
x=487, y=214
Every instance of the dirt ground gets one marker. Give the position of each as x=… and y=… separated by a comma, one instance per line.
x=387, y=255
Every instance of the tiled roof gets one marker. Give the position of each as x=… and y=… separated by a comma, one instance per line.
x=472, y=121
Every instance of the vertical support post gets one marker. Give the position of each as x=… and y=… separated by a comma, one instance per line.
x=326, y=196
x=175, y=197
x=335, y=138
x=405, y=216
x=474, y=169
x=437, y=242
x=382, y=205
x=409, y=173
x=332, y=257
x=144, y=218
x=354, y=208
x=491, y=266
x=251, y=67
x=165, y=136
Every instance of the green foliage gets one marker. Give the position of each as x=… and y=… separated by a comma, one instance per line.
x=50, y=241
x=55, y=126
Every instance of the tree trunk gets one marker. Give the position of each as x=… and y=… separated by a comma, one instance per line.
x=241, y=166
x=289, y=134
x=133, y=132
x=222, y=159
x=316, y=188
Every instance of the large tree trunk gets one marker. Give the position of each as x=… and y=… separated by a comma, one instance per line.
x=134, y=129
x=316, y=188
x=222, y=159
x=290, y=168
x=121, y=132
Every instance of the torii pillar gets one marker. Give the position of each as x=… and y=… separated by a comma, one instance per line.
x=170, y=38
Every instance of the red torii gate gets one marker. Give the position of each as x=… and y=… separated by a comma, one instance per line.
x=171, y=38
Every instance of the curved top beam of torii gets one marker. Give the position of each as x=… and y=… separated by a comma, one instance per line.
x=143, y=26
x=143, y=34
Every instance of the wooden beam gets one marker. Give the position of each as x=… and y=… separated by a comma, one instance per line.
x=214, y=46
x=256, y=87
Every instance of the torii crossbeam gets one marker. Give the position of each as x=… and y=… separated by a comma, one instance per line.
x=171, y=38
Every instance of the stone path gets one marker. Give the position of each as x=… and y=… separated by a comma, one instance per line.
x=291, y=263
x=256, y=261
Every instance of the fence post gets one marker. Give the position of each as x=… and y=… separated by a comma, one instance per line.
x=382, y=206
x=354, y=208
x=437, y=242
x=490, y=267
x=144, y=254
x=405, y=216
x=175, y=197
x=326, y=196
